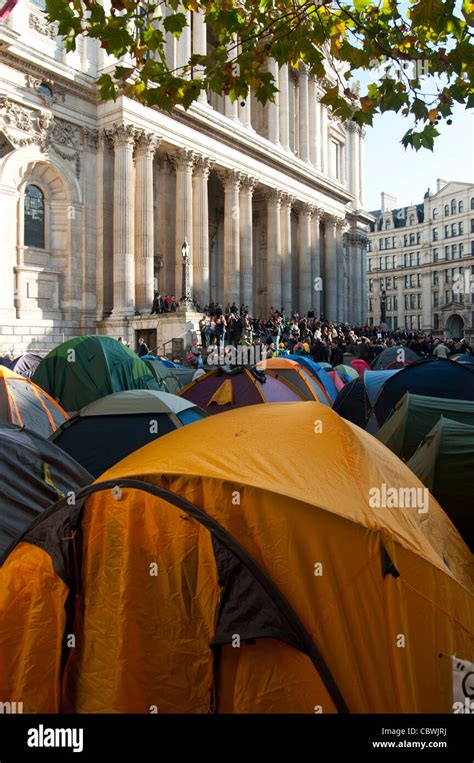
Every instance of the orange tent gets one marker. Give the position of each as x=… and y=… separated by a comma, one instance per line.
x=297, y=376
x=241, y=565
x=24, y=403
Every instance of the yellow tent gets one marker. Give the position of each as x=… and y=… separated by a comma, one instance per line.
x=246, y=563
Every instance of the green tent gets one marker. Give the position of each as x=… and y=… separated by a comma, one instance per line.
x=164, y=376
x=444, y=462
x=86, y=368
x=415, y=415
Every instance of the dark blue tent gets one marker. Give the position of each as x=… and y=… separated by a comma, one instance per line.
x=434, y=378
x=352, y=403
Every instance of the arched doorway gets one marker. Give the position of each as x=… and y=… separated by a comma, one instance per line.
x=454, y=327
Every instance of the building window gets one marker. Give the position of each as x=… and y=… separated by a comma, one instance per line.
x=472, y=203
x=418, y=238
x=405, y=239
x=461, y=206
x=395, y=303
x=412, y=238
x=411, y=220
x=371, y=284
x=461, y=250
x=448, y=297
x=435, y=213
x=461, y=228
x=418, y=279
x=446, y=210
x=454, y=251
x=446, y=252
x=472, y=248
x=45, y=89
x=435, y=255
x=435, y=234
x=435, y=278
x=388, y=282
x=454, y=229
x=453, y=206
x=34, y=217
x=387, y=224
x=435, y=321
x=446, y=231
x=435, y=298
x=394, y=260
x=370, y=264
x=387, y=243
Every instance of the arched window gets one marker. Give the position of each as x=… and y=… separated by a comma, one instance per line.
x=412, y=220
x=453, y=206
x=446, y=210
x=34, y=217
x=461, y=206
x=472, y=203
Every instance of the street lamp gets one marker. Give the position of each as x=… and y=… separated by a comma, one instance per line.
x=186, y=286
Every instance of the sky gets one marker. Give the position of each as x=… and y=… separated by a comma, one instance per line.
x=406, y=173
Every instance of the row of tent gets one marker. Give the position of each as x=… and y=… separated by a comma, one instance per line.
x=227, y=509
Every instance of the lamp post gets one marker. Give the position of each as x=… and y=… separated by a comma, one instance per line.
x=186, y=286
x=383, y=307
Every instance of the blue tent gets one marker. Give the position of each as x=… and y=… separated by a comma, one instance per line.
x=318, y=372
x=434, y=378
x=374, y=381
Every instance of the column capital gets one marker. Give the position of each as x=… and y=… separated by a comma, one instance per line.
x=164, y=162
x=92, y=138
x=317, y=213
x=183, y=159
x=288, y=200
x=303, y=208
x=231, y=179
x=147, y=143
x=122, y=135
x=330, y=220
x=203, y=166
x=273, y=195
x=248, y=184
x=352, y=126
x=342, y=225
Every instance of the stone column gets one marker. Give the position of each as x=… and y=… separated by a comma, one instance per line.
x=313, y=120
x=245, y=115
x=273, y=107
x=167, y=243
x=316, y=273
x=317, y=131
x=199, y=46
x=361, y=165
x=330, y=269
x=303, y=115
x=340, y=228
x=231, y=108
x=183, y=162
x=123, y=137
x=231, y=180
x=354, y=277
x=324, y=140
x=284, y=106
x=246, y=242
x=144, y=224
x=201, y=265
x=363, y=275
x=183, y=45
x=355, y=166
x=274, y=250
x=304, y=257
x=99, y=281
x=287, y=202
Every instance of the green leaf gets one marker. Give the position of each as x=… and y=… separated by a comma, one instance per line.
x=175, y=24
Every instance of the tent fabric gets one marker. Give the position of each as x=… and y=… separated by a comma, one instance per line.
x=34, y=473
x=308, y=640
x=374, y=381
x=360, y=365
x=415, y=415
x=163, y=374
x=397, y=356
x=444, y=462
x=26, y=364
x=319, y=372
x=290, y=371
x=23, y=403
x=85, y=368
x=246, y=390
x=338, y=383
x=347, y=373
x=352, y=403
x=107, y=430
x=463, y=358
x=432, y=378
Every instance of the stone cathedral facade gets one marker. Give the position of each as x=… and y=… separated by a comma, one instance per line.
x=98, y=198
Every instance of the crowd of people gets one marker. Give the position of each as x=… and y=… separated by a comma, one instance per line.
x=322, y=340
